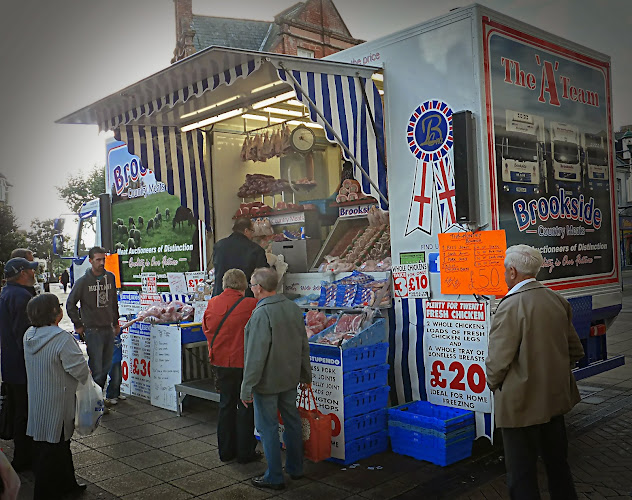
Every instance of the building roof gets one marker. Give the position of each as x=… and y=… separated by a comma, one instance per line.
x=227, y=32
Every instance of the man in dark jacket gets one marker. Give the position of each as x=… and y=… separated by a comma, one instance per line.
x=20, y=275
x=276, y=360
x=97, y=321
x=237, y=251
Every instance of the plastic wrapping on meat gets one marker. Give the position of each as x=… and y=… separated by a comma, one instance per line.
x=327, y=295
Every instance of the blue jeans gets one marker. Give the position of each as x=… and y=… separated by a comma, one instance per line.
x=116, y=377
x=267, y=423
x=100, y=346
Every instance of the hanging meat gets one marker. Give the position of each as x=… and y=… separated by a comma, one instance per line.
x=266, y=148
x=285, y=144
x=245, y=148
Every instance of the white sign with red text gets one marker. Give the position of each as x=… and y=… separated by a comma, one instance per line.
x=149, y=283
x=193, y=279
x=136, y=361
x=410, y=281
x=456, y=336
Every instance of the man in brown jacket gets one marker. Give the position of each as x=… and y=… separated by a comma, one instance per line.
x=532, y=348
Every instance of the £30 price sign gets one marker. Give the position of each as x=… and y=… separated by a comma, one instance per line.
x=474, y=377
x=136, y=366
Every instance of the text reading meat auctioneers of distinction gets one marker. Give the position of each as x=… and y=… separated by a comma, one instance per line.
x=473, y=263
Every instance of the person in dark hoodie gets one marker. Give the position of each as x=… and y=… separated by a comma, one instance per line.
x=97, y=321
x=54, y=367
x=20, y=275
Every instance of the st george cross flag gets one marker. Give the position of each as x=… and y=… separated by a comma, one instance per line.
x=420, y=211
x=444, y=182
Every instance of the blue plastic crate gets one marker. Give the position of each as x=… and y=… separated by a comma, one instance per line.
x=363, y=380
x=192, y=332
x=363, y=425
x=363, y=447
x=429, y=448
x=428, y=416
x=357, y=358
x=374, y=334
x=450, y=437
x=365, y=402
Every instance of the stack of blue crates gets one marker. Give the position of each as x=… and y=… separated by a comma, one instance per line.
x=435, y=433
x=365, y=390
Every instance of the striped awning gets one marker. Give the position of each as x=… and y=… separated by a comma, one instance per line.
x=340, y=99
x=178, y=160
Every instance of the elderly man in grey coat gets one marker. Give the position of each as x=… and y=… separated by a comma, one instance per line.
x=54, y=367
x=276, y=359
x=532, y=348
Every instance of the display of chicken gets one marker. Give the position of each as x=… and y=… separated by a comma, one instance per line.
x=257, y=147
x=164, y=312
x=261, y=184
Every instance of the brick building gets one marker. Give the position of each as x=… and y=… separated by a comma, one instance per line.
x=313, y=28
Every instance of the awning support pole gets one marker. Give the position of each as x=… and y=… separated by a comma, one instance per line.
x=333, y=132
x=368, y=108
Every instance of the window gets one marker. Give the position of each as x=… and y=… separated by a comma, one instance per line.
x=87, y=235
x=305, y=52
x=619, y=192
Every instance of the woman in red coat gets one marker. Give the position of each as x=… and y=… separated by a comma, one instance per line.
x=230, y=311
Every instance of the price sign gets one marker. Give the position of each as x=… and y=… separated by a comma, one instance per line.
x=400, y=282
x=177, y=283
x=455, y=348
x=417, y=280
x=411, y=281
x=135, y=366
x=148, y=283
x=193, y=280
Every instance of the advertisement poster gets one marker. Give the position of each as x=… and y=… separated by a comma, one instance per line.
x=151, y=231
x=456, y=336
x=136, y=363
x=550, y=157
x=327, y=384
x=166, y=362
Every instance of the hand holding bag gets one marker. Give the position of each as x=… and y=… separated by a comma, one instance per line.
x=90, y=407
x=316, y=428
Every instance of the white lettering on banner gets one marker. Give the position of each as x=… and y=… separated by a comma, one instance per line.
x=456, y=336
x=166, y=361
x=353, y=210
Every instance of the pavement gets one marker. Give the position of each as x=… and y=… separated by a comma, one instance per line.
x=142, y=452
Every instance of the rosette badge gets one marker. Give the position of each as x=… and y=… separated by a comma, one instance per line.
x=429, y=131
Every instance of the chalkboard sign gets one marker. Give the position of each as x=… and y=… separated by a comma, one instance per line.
x=166, y=365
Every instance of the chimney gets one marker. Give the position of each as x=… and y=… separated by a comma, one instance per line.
x=184, y=30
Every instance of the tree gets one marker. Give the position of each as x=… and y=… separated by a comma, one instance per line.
x=82, y=188
x=40, y=241
x=10, y=238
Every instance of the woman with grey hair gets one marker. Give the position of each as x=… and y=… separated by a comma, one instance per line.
x=224, y=320
x=54, y=367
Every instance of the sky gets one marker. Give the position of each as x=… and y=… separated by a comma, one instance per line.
x=62, y=55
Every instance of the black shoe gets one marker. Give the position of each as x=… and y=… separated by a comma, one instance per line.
x=296, y=477
x=260, y=483
x=255, y=457
x=75, y=489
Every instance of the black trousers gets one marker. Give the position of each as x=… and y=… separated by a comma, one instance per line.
x=53, y=468
x=23, y=444
x=522, y=447
x=236, y=423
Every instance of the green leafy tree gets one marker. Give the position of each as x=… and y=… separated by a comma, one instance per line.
x=82, y=188
x=10, y=238
x=40, y=240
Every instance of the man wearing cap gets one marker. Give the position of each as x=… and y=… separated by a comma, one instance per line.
x=97, y=321
x=20, y=276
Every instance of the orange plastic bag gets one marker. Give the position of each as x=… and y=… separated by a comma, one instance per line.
x=316, y=428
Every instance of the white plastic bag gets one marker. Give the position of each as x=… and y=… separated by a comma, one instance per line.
x=90, y=407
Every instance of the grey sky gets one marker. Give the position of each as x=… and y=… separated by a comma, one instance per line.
x=61, y=55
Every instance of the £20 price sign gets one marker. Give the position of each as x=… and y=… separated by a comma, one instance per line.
x=455, y=347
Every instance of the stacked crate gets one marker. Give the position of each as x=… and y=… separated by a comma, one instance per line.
x=435, y=433
x=365, y=389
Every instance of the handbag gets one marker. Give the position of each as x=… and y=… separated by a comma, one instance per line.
x=7, y=410
x=219, y=327
x=89, y=407
x=316, y=427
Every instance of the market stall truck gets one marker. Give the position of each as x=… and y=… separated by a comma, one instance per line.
x=564, y=159
x=462, y=156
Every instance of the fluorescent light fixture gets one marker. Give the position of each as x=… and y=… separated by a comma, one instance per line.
x=217, y=104
x=214, y=119
x=295, y=102
x=274, y=100
x=281, y=111
x=380, y=91
x=307, y=124
x=267, y=86
x=378, y=76
x=262, y=118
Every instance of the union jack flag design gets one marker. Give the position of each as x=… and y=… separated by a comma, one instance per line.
x=420, y=212
x=444, y=185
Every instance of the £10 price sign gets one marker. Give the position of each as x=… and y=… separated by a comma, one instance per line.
x=411, y=281
x=455, y=347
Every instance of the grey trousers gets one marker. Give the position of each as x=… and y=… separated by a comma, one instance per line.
x=100, y=346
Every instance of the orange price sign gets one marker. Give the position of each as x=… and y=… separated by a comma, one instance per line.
x=473, y=263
